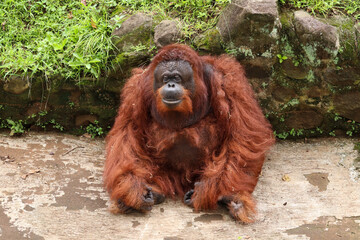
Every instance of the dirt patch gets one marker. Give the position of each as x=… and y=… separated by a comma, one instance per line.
x=319, y=180
x=330, y=228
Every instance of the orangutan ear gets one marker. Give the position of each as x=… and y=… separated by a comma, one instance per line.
x=208, y=73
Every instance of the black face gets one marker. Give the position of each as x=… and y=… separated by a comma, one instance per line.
x=173, y=77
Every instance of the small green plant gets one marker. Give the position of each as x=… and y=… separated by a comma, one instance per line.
x=300, y=132
x=43, y=113
x=337, y=117
x=71, y=105
x=319, y=130
x=296, y=62
x=332, y=133
x=16, y=127
x=281, y=58
x=3, y=124
x=292, y=132
x=94, y=129
x=32, y=116
x=353, y=127
x=282, y=135
x=56, y=125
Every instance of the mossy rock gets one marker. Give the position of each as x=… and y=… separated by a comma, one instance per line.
x=124, y=63
x=294, y=70
x=134, y=31
x=287, y=25
x=210, y=41
x=348, y=52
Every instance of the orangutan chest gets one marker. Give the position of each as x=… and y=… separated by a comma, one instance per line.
x=183, y=153
x=185, y=149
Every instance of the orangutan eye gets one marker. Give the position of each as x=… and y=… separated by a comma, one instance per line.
x=165, y=79
x=177, y=78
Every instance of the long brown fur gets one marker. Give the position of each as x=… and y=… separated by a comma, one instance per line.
x=231, y=132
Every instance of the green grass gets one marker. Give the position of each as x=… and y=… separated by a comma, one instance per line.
x=326, y=7
x=50, y=38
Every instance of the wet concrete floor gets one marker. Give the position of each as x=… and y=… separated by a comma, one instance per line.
x=51, y=188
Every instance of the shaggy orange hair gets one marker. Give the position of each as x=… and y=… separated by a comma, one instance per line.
x=225, y=124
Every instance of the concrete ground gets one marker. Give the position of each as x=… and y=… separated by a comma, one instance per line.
x=51, y=188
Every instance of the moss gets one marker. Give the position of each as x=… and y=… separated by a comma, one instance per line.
x=210, y=41
x=131, y=58
x=310, y=54
x=347, y=36
x=287, y=27
x=121, y=58
x=267, y=54
x=286, y=20
x=312, y=101
x=290, y=104
x=348, y=44
x=245, y=52
x=287, y=49
x=311, y=77
x=241, y=52
x=139, y=36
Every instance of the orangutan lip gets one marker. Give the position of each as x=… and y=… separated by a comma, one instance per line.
x=171, y=102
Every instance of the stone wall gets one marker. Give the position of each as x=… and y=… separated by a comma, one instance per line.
x=40, y=105
x=304, y=69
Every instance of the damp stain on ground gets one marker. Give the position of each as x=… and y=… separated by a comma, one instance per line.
x=319, y=180
x=77, y=195
x=173, y=238
x=330, y=228
x=135, y=224
x=208, y=218
x=7, y=231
